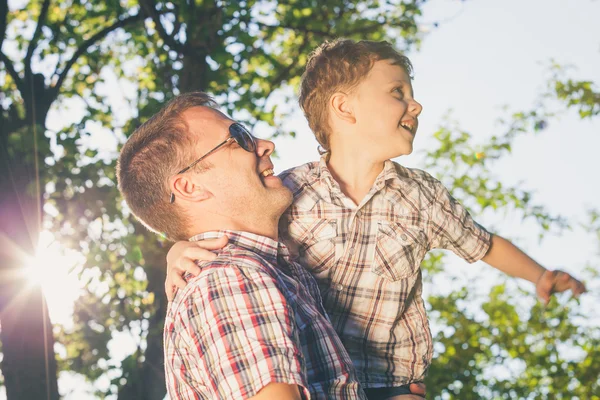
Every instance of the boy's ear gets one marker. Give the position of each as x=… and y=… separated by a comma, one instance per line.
x=184, y=188
x=340, y=107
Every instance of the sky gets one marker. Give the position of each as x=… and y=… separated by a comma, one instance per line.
x=482, y=56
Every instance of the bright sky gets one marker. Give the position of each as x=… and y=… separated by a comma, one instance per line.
x=484, y=55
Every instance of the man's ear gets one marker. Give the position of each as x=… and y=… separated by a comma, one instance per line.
x=340, y=107
x=185, y=188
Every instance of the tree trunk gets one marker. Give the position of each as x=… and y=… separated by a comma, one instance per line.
x=148, y=382
x=29, y=364
x=193, y=76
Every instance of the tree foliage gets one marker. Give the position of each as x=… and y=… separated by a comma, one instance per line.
x=63, y=55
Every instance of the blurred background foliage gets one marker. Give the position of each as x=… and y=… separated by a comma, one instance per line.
x=63, y=54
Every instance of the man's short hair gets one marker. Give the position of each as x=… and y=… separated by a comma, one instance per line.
x=157, y=150
x=339, y=65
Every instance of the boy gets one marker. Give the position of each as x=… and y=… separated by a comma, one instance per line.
x=362, y=224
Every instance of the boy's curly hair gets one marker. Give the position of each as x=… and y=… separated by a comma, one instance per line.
x=337, y=65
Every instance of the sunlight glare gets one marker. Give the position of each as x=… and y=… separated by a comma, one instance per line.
x=55, y=268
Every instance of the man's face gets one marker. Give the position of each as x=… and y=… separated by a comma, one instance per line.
x=241, y=183
x=386, y=112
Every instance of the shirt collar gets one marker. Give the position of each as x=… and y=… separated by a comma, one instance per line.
x=389, y=173
x=262, y=245
x=331, y=186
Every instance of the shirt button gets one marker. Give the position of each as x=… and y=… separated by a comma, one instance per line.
x=403, y=236
x=351, y=250
x=358, y=214
x=339, y=287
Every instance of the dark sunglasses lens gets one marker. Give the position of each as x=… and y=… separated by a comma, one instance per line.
x=243, y=137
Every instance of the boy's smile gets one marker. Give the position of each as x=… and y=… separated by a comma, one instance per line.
x=410, y=125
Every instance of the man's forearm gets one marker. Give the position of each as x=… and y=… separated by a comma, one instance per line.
x=280, y=391
x=508, y=258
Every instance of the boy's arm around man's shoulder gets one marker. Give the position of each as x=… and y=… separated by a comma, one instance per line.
x=235, y=318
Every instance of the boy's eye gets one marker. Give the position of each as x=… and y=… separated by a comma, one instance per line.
x=399, y=91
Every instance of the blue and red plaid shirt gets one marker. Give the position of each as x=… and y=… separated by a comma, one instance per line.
x=253, y=317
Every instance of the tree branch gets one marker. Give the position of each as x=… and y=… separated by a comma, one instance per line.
x=328, y=34
x=3, y=17
x=35, y=37
x=285, y=73
x=323, y=34
x=149, y=8
x=13, y=73
x=87, y=44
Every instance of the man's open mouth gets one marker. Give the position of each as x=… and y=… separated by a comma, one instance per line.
x=267, y=172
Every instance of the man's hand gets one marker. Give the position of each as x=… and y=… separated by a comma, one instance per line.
x=556, y=282
x=418, y=388
x=182, y=258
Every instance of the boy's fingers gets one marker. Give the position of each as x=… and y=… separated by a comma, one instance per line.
x=560, y=281
x=173, y=282
x=170, y=290
x=187, y=265
x=198, y=253
x=572, y=284
x=546, y=299
x=544, y=293
x=177, y=280
x=213, y=244
x=577, y=287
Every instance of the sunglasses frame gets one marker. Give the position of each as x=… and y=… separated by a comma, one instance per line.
x=237, y=133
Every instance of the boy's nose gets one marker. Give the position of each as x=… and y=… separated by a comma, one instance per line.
x=415, y=107
x=264, y=148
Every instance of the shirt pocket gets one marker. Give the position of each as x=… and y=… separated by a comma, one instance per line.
x=399, y=250
x=316, y=242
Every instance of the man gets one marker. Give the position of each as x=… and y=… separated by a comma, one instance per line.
x=251, y=324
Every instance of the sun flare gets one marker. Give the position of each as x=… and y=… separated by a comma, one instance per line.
x=54, y=268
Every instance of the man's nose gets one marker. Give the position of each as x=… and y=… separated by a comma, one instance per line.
x=264, y=148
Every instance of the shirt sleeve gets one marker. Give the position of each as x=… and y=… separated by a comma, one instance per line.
x=451, y=227
x=239, y=330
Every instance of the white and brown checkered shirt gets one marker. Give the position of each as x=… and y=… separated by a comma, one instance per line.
x=366, y=260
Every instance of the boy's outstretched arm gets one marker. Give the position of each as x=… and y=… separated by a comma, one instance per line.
x=508, y=258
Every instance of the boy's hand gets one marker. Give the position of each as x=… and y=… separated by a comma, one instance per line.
x=182, y=258
x=555, y=282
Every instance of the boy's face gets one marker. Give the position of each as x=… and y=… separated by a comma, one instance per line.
x=385, y=111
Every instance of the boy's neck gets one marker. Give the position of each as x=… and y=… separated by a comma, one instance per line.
x=355, y=173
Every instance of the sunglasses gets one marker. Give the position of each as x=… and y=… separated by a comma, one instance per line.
x=237, y=133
